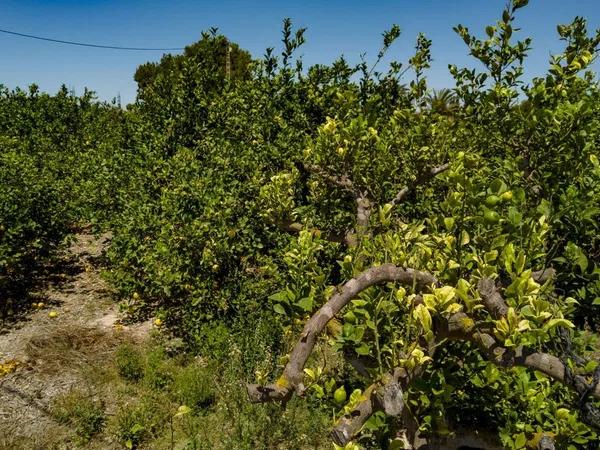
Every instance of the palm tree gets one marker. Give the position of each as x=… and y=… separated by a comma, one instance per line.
x=443, y=101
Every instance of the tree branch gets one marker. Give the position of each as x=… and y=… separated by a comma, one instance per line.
x=350, y=424
x=542, y=362
x=458, y=326
x=342, y=181
x=289, y=226
x=546, y=443
x=541, y=276
x=363, y=214
x=493, y=301
x=385, y=395
x=421, y=179
x=520, y=356
x=293, y=372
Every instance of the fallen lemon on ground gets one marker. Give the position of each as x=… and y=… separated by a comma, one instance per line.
x=52, y=314
x=158, y=322
x=8, y=367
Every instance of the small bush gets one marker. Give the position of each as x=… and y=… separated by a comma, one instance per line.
x=81, y=411
x=159, y=369
x=139, y=422
x=192, y=386
x=129, y=363
x=131, y=427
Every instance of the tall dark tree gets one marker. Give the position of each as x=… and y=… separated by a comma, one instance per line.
x=211, y=49
x=175, y=94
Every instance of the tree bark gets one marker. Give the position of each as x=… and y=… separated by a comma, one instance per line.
x=293, y=372
x=421, y=179
x=386, y=394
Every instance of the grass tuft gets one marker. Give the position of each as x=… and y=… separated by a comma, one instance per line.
x=83, y=412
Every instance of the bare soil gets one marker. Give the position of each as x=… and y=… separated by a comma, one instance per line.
x=73, y=326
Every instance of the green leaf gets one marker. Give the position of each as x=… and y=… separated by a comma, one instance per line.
x=319, y=393
x=514, y=216
x=553, y=323
x=279, y=297
x=137, y=428
x=310, y=373
x=517, y=4
x=449, y=223
x=464, y=238
x=582, y=262
x=520, y=440
x=359, y=302
x=279, y=309
x=306, y=304
x=396, y=444
x=445, y=294
x=478, y=382
x=421, y=313
x=497, y=186
x=363, y=349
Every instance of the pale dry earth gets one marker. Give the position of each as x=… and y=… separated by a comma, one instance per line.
x=53, y=355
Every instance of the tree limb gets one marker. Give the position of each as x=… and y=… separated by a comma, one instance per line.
x=350, y=424
x=546, y=443
x=384, y=395
x=458, y=326
x=341, y=181
x=541, y=276
x=493, y=301
x=289, y=226
x=548, y=364
x=293, y=372
x=363, y=214
x=520, y=356
x=421, y=179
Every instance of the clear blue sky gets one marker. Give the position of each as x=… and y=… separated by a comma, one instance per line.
x=334, y=27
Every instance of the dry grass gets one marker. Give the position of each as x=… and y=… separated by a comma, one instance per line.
x=72, y=346
x=63, y=347
x=60, y=360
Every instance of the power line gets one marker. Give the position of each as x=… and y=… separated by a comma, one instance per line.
x=82, y=44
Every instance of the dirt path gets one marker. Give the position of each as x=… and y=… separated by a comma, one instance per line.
x=44, y=356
